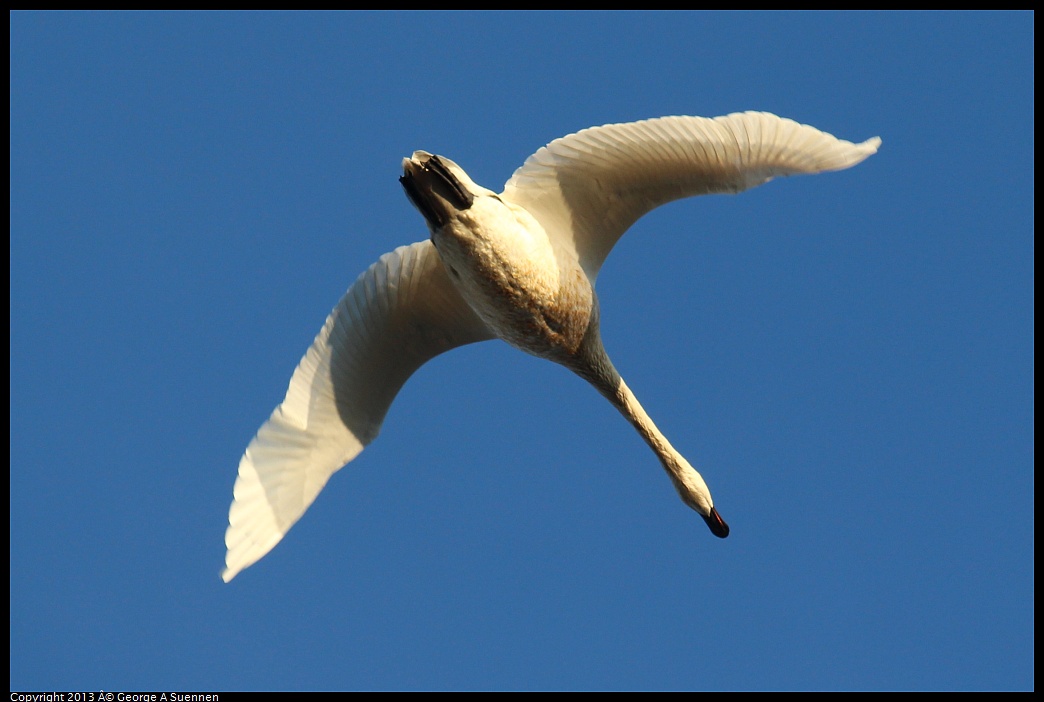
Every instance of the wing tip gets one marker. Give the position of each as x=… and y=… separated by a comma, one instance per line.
x=871, y=145
x=857, y=153
x=247, y=542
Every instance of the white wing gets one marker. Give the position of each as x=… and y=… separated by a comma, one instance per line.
x=400, y=313
x=598, y=182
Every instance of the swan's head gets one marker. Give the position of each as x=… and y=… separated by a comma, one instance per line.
x=717, y=525
x=695, y=493
x=438, y=187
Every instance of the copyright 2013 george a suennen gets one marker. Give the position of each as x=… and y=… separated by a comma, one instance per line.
x=102, y=696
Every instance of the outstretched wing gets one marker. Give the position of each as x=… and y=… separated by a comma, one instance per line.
x=596, y=183
x=400, y=313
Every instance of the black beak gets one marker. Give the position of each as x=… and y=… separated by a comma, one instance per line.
x=717, y=525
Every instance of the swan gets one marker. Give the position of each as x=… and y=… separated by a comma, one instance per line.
x=519, y=266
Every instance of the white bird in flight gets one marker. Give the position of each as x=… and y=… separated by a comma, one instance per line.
x=519, y=266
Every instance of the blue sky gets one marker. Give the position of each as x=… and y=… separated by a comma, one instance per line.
x=847, y=358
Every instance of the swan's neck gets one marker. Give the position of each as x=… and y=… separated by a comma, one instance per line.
x=597, y=369
x=689, y=483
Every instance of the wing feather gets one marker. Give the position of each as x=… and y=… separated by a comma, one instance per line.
x=594, y=184
x=399, y=314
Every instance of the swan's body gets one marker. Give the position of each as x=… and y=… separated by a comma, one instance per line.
x=519, y=266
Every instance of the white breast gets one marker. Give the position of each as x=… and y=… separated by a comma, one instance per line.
x=505, y=266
